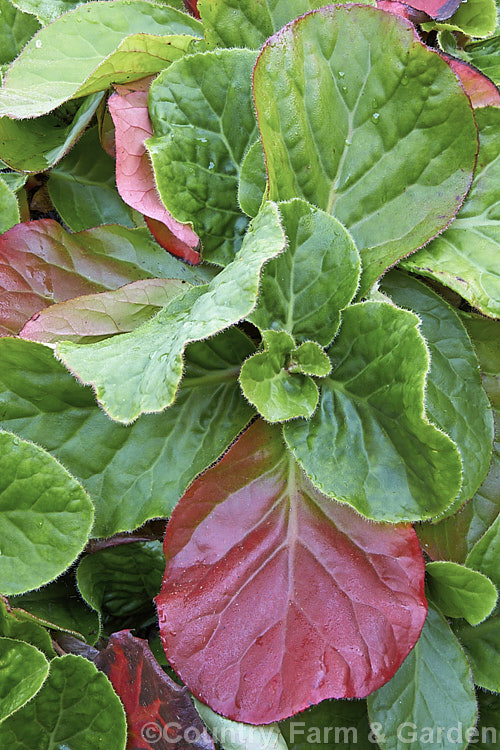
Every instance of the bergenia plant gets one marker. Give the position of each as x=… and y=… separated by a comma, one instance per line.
x=250, y=283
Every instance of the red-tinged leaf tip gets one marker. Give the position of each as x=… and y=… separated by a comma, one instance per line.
x=159, y=712
x=192, y=7
x=276, y=597
x=170, y=242
x=134, y=173
x=481, y=91
x=436, y=9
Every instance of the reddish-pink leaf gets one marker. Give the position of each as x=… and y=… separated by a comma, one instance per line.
x=192, y=7
x=479, y=88
x=41, y=263
x=433, y=8
x=159, y=713
x=134, y=173
x=170, y=242
x=276, y=597
x=105, y=314
x=403, y=10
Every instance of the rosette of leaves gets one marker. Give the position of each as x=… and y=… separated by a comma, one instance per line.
x=291, y=404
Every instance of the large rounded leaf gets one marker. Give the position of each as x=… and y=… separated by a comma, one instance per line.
x=24, y=669
x=45, y=516
x=275, y=597
x=360, y=118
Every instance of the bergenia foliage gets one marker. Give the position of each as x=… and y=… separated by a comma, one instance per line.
x=201, y=207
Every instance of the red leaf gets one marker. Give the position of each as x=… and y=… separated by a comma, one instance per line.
x=403, y=10
x=436, y=9
x=41, y=263
x=192, y=7
x=481, y=90
x=276, y=597
x=157, y=709
x=134, y=173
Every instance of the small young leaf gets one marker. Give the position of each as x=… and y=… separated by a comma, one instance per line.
x=274, y=596
x=42, y=402
x=134, y=172
x=76, y=708
x=140, y=371
x=159, y=712
x=465, y=257
x=268, y=382
x=485, y=554
x=432, y=689
x=45, y=517
x=121, y=581
x=461, y=592
x=370, y=443
x=36, y=145
x=24, y=669
x=9, y=210
x=203, y=125
x=95, y=316
x=356, y=127
x=91, y=47
x=83, y=190
x=455, y=400
x=304, y=289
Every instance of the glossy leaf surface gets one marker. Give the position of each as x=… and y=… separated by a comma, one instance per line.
x=91, y=47
x=76, y=707
x=203, y=125
x=95, y=316
x=46, y=516
x=42, y=402
x=404, y=708
x=461, y=592
x=159, y=711
x=304, y=289
x=465, y=257
x=83, y=190
x=140, y=371
x=386, y=143
x=455, y=400
x=134, y=172
x=481, y=90
x=370, y=443
x=24, y=669
x=263, y=570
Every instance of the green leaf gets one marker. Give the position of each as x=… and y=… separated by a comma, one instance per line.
x=231, y=23
x=476, y=18
x=16, y=28
x=370, y=443
x=24, y=669
x=59, y=606
x=127, y=470
x=455, y=400
x=45, y=519
x=485, y=554
x=342, y=724
x=203, y=125
x=82, y=187
x=304, y=289
x=488, y=728
x=9, y=210
x=14, y=180
x=482, y=646
x=253, y=180
x=76, y=708
x=432, y=691
x=140, y=371
x=486, y=56
x=356, y=127
x=465, y=257
x=269, y=384
x=36, y=145
x=49, y=10
x=14, y=623
x=461, y=592
x=120, y=582
x=96, y=316
x=91, y=47
x=234, y=735
x=310, y=359
x=452, y=538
